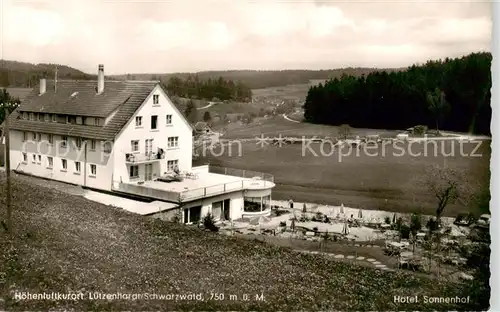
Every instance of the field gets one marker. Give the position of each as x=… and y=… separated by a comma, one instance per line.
x=275, y=126
x=66, y=244
x=292, y=92
x=382, y=178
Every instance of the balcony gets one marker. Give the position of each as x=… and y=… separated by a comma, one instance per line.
x=138, y=158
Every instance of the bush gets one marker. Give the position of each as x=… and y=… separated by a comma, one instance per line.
x=432, y=224
x=405, y=231
x=209, y=222
x=304, y=210
x=326, y=219
x=387, y=220
x=315, y=229
x=283, y=224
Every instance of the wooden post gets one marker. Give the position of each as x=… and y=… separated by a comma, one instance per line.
x=7, y=171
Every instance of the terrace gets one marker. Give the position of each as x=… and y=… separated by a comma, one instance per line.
x=201, y=182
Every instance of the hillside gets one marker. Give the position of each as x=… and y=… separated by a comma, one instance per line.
x=257, y=79
x=67, y=244
x=15, y=74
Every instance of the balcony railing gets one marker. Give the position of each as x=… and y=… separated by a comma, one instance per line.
x=249, y=174
x=219, y=189
x=140, y=158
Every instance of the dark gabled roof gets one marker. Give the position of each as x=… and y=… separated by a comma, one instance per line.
x=122, y=98
x=85, y=100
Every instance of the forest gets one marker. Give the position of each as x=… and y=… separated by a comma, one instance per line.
x=450, y=94
x=210, y=89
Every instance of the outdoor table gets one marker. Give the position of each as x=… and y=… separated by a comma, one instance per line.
x=407, y=254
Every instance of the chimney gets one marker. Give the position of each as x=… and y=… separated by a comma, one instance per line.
x=100, y=79
x=43, y=86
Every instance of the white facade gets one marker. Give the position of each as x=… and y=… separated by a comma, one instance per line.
x=138, y=132
x=37, y=156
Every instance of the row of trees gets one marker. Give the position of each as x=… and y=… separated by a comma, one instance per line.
x=211, y=89
x=453, y=94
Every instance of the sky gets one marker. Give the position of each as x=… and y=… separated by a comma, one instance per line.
x=195, y=35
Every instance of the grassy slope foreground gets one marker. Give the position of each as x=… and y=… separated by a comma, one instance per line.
x=65, y=243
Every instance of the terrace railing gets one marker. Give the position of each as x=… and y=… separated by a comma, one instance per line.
x=219, y=189
x=249, y=174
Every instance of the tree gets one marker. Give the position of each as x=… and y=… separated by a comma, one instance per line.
x=191, y=112
x=207, y=117
x=415, y=226
x=446, y=184
x=7, y=102
x=344, y=131
x=437, y=105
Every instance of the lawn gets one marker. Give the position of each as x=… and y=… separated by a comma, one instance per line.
x=65, y=243
x=273, y=127
x=383, y=181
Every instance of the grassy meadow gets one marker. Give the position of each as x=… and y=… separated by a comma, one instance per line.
x=384, y=178
x=64, y=243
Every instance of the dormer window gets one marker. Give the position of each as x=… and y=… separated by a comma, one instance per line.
x=97, y=122
x=25, y=115
x=46, y=117
x=79, y=120
x=32, y=116
x=39, y=117
x=54, y=117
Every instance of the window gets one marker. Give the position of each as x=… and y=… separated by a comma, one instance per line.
x=173, y=142
x=107, y=147
x=78, y=143
x=77, y=166
x=92, y=145
x=64, y=164
x=46, y=117
x=138, y=121
x=71, y=120
x=39, y=159
x=25, y=157
x=39, y=116
x=93, y=170
x=97, y=122
x=33, y=136
x=25, y=136
x=172, y=164
x=78, y=120
x=217, y=210
x=156, y=99
x=25, y=115
x=32, y=116
x=154, y=122
x=34, y=158
x=51, y=138
x=135, y=145
x=169, y=119
x=54, y=117
x=134, y=172
x=38, y=137
x=50, y=162
x=64, y=141
x=192, y=215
